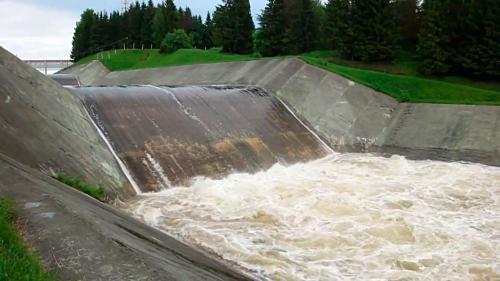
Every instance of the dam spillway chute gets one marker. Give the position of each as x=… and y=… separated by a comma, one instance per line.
x=168, y=135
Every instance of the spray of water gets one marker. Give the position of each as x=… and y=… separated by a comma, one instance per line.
x=343, y=217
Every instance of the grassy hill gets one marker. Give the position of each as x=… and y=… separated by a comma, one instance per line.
x=398, y=79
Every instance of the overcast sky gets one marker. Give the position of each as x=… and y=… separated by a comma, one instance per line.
x=43, y=29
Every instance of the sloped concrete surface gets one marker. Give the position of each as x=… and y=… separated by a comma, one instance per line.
x=168, y=135
x=87, y=73
x=349, y=116
x=444, y=132
x=46, y=127
x=79, y=238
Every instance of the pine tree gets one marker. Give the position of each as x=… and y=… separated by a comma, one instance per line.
x=375, y=30
x=238, y=27
x=159, y=27
x=339, y=27
x=186, y=20
x=148, y=13
x=208, y=33
x=479, y=56
x=171, y=16
x=134, y=23
x=81, y=37
x=197, y=32
x=434, y=39
x=273, y=29
x=408, y=21
x=304, y=30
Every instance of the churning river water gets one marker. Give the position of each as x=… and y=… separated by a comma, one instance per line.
x=343, y=217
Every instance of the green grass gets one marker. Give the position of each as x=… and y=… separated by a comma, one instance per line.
x=16, y=261
x=95, y=191
x=398, y=79
x=135, y=59
x=405, y=64
x=412, y=89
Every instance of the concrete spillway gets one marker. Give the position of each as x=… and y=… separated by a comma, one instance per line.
x=168, y=135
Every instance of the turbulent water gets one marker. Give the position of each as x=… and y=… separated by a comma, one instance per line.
x=343, y=217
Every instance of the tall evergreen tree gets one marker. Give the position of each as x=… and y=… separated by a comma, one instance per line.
x=208, y=33
x=81, y=37
x=304, y=31
x=238, y=27
x=409, y=20
x=134, y=16
x=273, y=29
x=148, y=13
x=375, y=27
x=339, y=28
x=171, y=16
x=434, y=39
x=159, y=27
x=479, y=55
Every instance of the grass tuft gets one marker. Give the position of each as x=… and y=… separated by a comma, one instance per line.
x=16, y=261
x=94, y=191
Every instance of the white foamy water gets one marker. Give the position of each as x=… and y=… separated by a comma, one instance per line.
x=344, y=217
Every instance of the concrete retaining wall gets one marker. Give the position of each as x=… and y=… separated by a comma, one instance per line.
x=44, y=126
x=349, y=116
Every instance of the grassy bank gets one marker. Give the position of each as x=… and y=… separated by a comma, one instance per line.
x=16, y=261
x=136, y=59
x=398, y=79
x=412, y=89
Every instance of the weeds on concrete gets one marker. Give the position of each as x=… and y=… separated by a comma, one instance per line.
x=94, y=191
x=16, y=261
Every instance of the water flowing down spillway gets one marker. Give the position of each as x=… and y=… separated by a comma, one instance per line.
x=168, y=135
x=232, y=171
x=343, y=217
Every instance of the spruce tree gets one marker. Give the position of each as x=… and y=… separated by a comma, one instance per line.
x=237, y=27
x=479, y=56
x=304, y=30
x=273, y=29
x=339, y=27
x=159, y=27
x=171, y=16
x=434, y=39
x=409, y=23
x=81, y=37
x=208, y=33
x=375, y=30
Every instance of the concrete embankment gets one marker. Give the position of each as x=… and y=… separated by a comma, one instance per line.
x=349, y=116
x=168, y=135
x=45, y=130
x=46, y=127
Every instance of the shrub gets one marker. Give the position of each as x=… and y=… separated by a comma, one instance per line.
x=174, y=41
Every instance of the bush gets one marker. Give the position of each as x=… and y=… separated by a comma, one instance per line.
x=175, y=41
x=95, y=191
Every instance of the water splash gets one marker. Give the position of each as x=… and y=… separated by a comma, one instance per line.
x=343, y=217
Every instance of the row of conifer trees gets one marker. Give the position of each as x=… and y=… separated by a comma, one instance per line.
x=449, y=36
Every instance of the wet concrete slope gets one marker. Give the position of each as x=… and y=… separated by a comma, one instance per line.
x=46, y=127
x=349, y=116
x=168, y=135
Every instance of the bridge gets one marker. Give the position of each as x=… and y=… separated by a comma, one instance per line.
x=45, y=65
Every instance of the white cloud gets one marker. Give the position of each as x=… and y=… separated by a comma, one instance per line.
x=35, y=31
